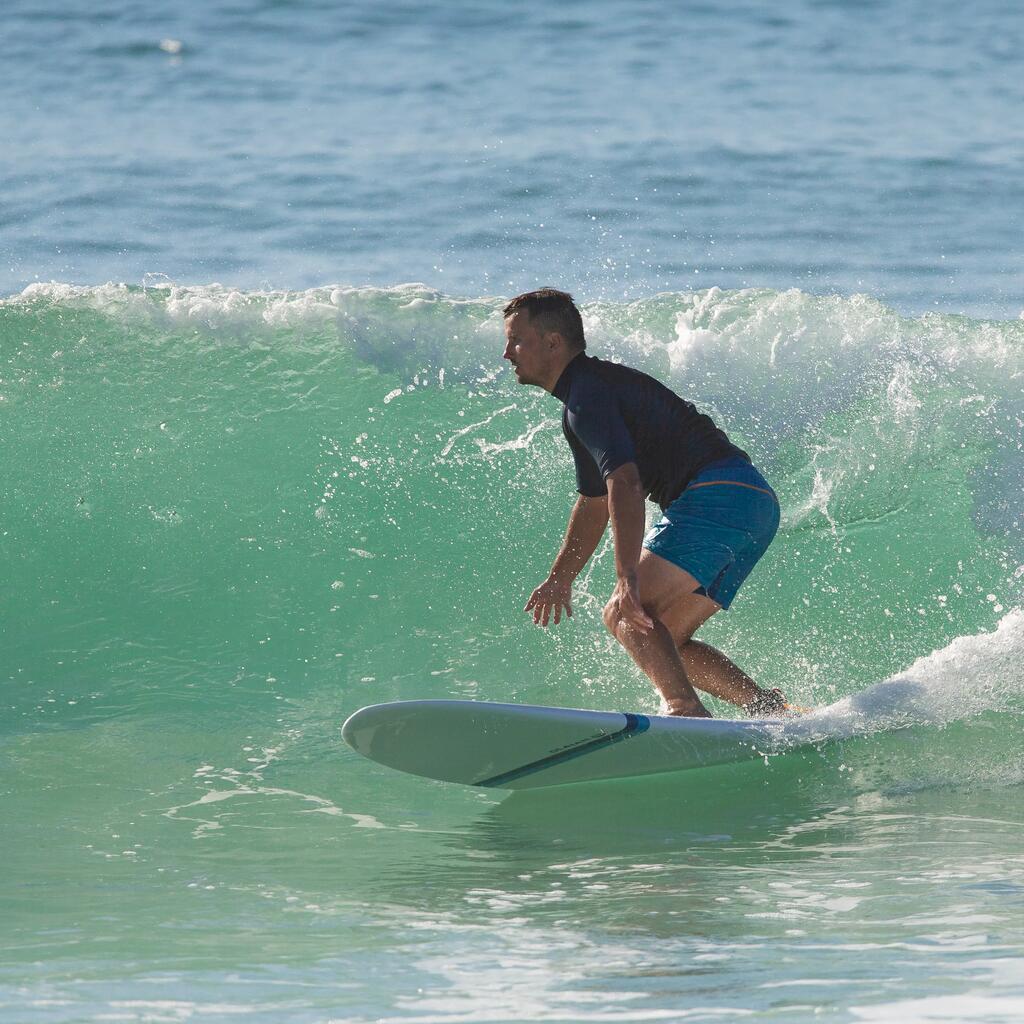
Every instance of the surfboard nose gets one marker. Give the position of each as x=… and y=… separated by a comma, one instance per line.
x=476, y=743
x=358, y=729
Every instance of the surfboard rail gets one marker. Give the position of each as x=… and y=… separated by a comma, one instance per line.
x=524, y=746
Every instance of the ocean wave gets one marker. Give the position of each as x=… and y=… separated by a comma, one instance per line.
x=193, y=434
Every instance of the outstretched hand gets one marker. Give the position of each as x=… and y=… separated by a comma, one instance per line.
x=551, y=596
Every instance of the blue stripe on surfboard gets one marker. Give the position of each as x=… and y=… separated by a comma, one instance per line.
x=635, y=724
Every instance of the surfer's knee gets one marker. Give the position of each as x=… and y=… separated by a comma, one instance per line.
x=614, y=621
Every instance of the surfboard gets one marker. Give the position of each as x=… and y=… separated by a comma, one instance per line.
x=522, y=746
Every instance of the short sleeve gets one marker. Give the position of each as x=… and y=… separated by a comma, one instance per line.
x=589, y=481
x=593, y=417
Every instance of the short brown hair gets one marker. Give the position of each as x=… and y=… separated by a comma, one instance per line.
x=551, y=310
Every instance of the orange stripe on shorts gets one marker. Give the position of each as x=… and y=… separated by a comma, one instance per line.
x=732, y=483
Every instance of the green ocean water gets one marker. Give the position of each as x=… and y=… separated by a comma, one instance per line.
x=230, y=519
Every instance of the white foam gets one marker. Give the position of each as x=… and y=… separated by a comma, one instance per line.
x=824, y=349
x=773, y=368
x=972, y=675
x=967, y=1006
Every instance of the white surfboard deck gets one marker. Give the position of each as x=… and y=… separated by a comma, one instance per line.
x=522, y=746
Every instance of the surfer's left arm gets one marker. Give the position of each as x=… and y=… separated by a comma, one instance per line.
x=626, y=508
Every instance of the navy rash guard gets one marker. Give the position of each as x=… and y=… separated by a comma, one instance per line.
x=614, y=415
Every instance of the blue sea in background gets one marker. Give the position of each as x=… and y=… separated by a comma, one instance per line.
x=261, y=465
x=616, y=149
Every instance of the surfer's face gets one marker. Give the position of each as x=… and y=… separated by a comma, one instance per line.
x=530, y=352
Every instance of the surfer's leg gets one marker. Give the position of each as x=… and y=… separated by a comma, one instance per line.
x=711, y=671
x=670, y=594
x=695, y=559
x=657, y=655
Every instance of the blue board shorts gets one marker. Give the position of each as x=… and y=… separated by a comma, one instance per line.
x=719, y=527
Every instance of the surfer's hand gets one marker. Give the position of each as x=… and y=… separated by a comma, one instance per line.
x=626, y=600
x=551, y=596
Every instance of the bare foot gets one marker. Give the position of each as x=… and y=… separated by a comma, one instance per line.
x=684, y=709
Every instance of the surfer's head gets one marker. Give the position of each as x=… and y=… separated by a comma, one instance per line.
x=543, y=332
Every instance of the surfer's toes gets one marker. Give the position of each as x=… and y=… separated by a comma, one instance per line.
x=770, y=704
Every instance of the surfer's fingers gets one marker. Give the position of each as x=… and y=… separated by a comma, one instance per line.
x=640, y=623
x=637, y=613
x=646, y=619
x=634, y=614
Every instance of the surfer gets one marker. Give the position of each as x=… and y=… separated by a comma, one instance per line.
x=633, y=438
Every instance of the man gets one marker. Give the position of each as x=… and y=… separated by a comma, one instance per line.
x=632, y=438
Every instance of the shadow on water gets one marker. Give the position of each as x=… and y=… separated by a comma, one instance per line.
x=722, y=804
x=687, y=822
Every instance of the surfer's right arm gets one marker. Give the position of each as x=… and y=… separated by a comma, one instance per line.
x=587, y=523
